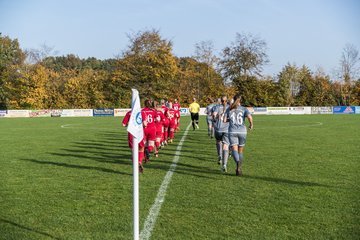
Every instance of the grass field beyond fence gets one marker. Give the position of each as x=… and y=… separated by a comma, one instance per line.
x=71, y=178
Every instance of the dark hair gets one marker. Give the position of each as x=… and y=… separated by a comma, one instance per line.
x=237, y=99
x=154, y=104
x=147, y=103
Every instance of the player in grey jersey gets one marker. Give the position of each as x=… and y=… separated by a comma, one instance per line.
x=236, y=116
x=221, y=132
x=209, y=117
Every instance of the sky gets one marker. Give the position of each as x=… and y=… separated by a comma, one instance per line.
x=301, y=32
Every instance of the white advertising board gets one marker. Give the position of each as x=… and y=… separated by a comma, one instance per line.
x=120, y=112
x=18, y=113
x=278, y=110
x=83, y=112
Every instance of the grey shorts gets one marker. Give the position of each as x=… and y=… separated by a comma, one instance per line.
x=238, y=139
x=222, y=136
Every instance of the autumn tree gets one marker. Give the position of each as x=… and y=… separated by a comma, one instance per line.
x=355, y=94
x=34, y=93
x=288, y=85
x=11, y=60
x=306, y=87
x=246, y=56
x=117, y=85
x=196, y=79
x=84, y=89
x=151, y=64
x=323, y=90
x=242, y=62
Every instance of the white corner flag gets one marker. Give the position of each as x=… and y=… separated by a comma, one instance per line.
x=135, y=128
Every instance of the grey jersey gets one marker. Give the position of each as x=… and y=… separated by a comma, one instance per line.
x=237, y=119
x=220, y=111
x=209, y=111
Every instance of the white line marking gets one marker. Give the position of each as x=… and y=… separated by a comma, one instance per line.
x=67, y=125
x=160, y=198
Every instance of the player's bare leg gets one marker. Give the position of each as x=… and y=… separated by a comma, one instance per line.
x=238, y=157
x=225, y=157
x=219, y=149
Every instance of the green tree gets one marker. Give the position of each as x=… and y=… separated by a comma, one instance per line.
x=306, y=85
x=266, y=93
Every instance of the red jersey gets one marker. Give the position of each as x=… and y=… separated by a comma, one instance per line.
x=150, y=116
x=126, y=118
x=165, y=109
x=176, y=106
x=173, y=114
x=160, y=118
x=130, y=137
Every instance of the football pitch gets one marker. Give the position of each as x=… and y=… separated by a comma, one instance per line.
x=71, y=178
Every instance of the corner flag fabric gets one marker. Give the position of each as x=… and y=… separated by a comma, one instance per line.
x=135, y=124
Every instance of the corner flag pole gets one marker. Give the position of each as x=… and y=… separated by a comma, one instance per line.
x=135, y=128
x=136, y=188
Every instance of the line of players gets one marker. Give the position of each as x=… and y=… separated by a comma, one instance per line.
x=160, y=122
x=226, y=122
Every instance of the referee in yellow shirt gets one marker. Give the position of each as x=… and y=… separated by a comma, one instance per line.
x=194, y=109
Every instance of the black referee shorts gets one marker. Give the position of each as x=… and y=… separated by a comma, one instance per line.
x=194, y=116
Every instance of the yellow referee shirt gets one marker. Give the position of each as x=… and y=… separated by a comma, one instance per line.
x=194, y=107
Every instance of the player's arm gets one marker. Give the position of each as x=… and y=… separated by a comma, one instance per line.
x=144, y=118
x=226, y=116
x=126, y=119
x=251, y=126
x=214, y=115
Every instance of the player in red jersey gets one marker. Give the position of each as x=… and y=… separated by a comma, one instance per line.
x=150, y=129
x=173, y=116
x=125, y=123
x=166, y=122
x=159, y=122
x=176, y=106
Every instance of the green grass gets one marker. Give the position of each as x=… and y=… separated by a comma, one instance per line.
x=301, y=181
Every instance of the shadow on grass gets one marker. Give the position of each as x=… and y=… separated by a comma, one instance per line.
x=66, y=165
x=96, y=156
x=286, y=181
x=44, y=234
x=110, y=147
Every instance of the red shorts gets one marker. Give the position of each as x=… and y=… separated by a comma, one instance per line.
x=166, y=123
x=130, y=141
x=173, y=123
x=159, y=130
x=150, y=133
